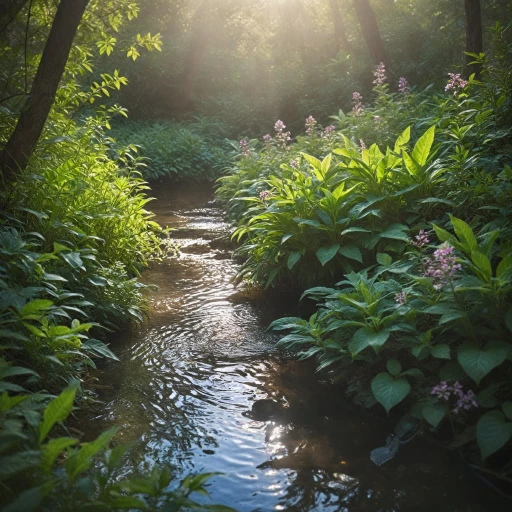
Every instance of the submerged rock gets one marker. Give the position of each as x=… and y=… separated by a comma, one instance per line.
x=263, y=410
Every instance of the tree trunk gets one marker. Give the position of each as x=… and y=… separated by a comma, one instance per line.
x=24, y=138
x=474, y=43
x=370, y=30
x=340, y=32
x=8, y=11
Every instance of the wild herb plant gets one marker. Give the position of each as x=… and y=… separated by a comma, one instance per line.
x=404, y=203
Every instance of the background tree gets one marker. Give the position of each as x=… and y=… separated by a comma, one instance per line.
x=370, y=30
x=29, y=127
x=474, y=39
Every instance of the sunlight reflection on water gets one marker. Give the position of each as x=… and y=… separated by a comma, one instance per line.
x=204, y=356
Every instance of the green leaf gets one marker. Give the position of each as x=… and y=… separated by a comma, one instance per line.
x=52, y=449
x=57, y=410
x=394, y=367
x=422, y=148
x=478, y=363
x=73, y=259
x=409, y=164
x=35, y=306
x=389, y=391
x=326, y=254
x=441, y=351
x=293, y=259
x=384, y=259
x=442, y=234
x=483, y=264
x=26, y=501
x=492, y=432
x=352, y=252
x=403, y=139
x=82, y=459
x=434, y=414
x=504, y=267
x=365, y=337
x=464, y=234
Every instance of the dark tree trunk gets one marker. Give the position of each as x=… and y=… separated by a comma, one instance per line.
x=23, y=140
x=340, y=32
x=8, y=11
x=370, y=30
x=474, y=43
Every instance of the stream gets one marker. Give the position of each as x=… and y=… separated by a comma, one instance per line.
x=187, y=376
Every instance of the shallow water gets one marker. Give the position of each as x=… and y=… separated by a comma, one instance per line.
x=203, y=357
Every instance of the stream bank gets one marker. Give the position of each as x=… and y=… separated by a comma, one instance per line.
x=203, y=357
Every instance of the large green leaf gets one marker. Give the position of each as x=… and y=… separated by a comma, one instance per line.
x=35, y=306
x=365, y=337
x=422, y=148
x=478, y=363
x=53, y=448
x=352, y=252
x=434, y=413
x=73, y=259
x=492, y=432
x=57, y=410
x=389, y=391
x=465, y=235
x=326, y=254
x=441, y=351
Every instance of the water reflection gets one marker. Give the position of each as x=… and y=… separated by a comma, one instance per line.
x=203, y=357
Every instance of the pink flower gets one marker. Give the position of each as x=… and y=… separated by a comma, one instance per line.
x=244, y=147
x=310, y=125
x=443, y=266
x=400, y=298
x=264, y=195
x=328, y=131
x=358, y=107
x=456, y=83
x=362, y=144
x=421, y=239
x=380, y=74
x=403, y=86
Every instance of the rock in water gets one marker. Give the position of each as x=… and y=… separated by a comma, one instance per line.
x=263, y=410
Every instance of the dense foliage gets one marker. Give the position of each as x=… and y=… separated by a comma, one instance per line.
x=74, y=236
x=399, y=215
x=250, y=62
x=191, y=151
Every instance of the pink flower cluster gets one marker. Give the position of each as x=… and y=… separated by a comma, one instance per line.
x=403, y=85
x=294, y=164
x=281, y=136
x=362, y=144
x=328, y=131
x=267, y=138
x=464, y=401
x=380, y=74
x=455, y=84
x=357, y=100
x=264, y=195
x=421, y=239
x=442, y=267
x=244, y=147
x=310, y=125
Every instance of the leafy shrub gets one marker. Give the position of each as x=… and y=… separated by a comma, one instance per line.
x=409, y=322
x=26, y=449
x=176, y=150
